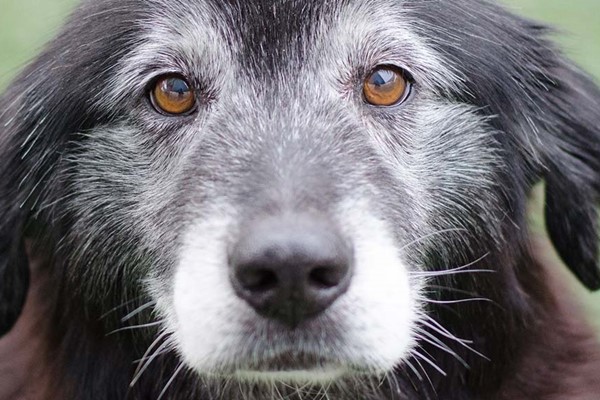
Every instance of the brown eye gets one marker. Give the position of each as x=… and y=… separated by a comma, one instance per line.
x=173, y=95
x=386, y=86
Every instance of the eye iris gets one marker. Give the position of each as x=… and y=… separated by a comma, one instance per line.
x=173, y=95
x=385, y=87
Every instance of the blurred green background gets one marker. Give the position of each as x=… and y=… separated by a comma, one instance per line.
x=25, y=25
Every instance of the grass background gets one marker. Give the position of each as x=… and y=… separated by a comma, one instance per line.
x=25, y=25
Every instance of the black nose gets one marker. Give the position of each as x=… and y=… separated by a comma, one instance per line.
x=291, y=268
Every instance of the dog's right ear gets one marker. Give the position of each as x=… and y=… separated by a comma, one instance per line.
x=14, y=268
x=14, y=279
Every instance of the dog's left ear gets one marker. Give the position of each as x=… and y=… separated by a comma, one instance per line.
x=571, y=152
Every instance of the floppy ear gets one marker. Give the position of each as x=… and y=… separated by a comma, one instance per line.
x=52, y=99
x=28, y=147
x=572, y=172
x=14, y=271
x=14, y=280
x=549, y=110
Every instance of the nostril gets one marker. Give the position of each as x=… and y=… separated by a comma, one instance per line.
x=326, y=277
x=258, y=279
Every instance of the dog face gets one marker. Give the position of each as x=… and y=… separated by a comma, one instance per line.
x=287, y=146
x=286, y=189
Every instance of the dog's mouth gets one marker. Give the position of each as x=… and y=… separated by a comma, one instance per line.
x=302, y=376
x=291, y=361
x=293, y=367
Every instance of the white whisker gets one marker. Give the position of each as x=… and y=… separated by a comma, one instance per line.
x=430, y=362
x=430, y=235
x=455, y=271
x=424, y=371
x=134, y=327
x=160, y=353
x=413, y=369
x=459, y=301
x=436, y=326
x=138, y=310
x=112, y=310
x=143, y=366
x=441, y=345
x=170, y=382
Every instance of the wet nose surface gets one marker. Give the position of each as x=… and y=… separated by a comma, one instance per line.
x=291, y=268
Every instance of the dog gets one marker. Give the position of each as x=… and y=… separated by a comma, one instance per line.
x=248, y=199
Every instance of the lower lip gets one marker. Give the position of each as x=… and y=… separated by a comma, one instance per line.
x=317, y=375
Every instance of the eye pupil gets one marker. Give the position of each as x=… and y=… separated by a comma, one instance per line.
x=382, y=77
x=173, y=95
x=178, y=86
